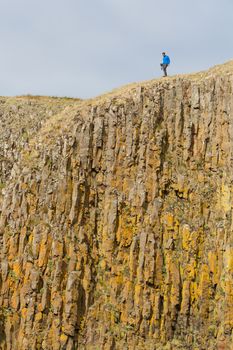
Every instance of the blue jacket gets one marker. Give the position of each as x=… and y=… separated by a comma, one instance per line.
x=166, y=60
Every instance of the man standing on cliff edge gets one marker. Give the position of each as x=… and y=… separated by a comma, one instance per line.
x=165, y=64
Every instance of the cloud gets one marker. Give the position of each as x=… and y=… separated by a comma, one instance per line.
x=84, y=47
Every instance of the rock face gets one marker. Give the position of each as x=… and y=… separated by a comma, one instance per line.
x=117, y=220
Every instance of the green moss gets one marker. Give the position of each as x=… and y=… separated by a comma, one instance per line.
x=2, y=185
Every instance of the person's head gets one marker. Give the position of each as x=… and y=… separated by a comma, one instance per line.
x=164, y=53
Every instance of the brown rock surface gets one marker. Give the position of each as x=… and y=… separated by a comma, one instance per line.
x=116, y=218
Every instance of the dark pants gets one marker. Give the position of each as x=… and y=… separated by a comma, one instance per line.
x=164, y=68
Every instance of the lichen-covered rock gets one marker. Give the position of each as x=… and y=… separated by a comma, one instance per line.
x=116, y=218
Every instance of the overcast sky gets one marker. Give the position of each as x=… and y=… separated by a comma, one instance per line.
x=83, y=48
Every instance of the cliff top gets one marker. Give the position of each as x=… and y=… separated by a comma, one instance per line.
x=57, y=112
x=218, y=70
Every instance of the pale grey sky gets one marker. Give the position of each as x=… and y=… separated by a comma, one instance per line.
x=83, y=48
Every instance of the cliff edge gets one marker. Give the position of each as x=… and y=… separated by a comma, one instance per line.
x=116, y=218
